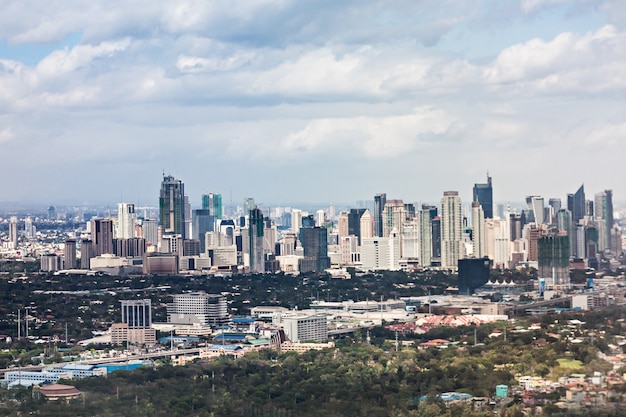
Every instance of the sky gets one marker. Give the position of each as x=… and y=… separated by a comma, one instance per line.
x=311, y=100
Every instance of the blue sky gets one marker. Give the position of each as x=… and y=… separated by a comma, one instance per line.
x=312, y=101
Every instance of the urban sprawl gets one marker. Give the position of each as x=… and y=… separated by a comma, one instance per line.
x=176, y=285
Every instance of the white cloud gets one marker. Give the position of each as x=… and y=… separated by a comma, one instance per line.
x=371, y=137
x=570, y=63
x=69, y=60
x=293, y=81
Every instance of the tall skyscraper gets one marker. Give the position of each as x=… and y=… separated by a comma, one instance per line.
x=554, y=205
x=354, y=222
x=213, y=203
x=296, y=220
x=126, y=219
x=70, y=254
x=203, y=222
x=367, y=224
x=576, y=204
x=536, y=205
x=150, y=231
x=172, y=208
x=425, y=236
x=478, y=231
x=342, y=225
x=379, y=204
x=604, y=211
x=451, y=229
x=483, y=193
x=29, y=228
x=256, y=228
x=553, y=254
x=86, y=253
x=13, y=232
x=315, y=244
x=102, y=236
x=394, y=214
x=436, y=237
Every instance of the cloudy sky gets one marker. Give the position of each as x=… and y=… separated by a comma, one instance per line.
x=311, y=100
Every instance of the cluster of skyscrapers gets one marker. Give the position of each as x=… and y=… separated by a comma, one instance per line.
x=381, y=234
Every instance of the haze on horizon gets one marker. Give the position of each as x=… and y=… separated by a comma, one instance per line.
x=312, y=101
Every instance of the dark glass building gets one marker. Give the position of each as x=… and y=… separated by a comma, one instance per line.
x=255, y=233
x=354, y=222
x=576, y=204
x=473, y=273
x=379, y=204
x=315, y=244
x=172, y=207
x=202, y=221
x=483, y=193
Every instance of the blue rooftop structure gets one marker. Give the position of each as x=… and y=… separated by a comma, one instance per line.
x=129, y=366
x=242, y=320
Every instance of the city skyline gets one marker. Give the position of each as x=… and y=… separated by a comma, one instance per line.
x=283, y=101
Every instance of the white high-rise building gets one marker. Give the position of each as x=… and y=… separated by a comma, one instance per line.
x=536, y=205
x=451, y=229
x=198, y=307
x=394, y=215
x=126, y=219
x=150, y=231
x=342, y=225
x=320, y=218
x=312, y=328
x=367, y=224
x=425, y=236
x=478, y=230
x=381, y=252
x=296, y=220
x=410, y=239
x=29, y=228
x=349, y=246
x=13, y=232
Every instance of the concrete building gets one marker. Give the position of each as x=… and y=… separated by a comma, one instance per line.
x=102, y=236
x=311, y=328
x=126, y=219
x=160, y=263
x=425, y=236
x=381, y=253
x=367, y=224
x=69, y=254
x=394, y=215
x=149, y=228
x=50, y=262
x=122, y=333
x=137, y=313
x=451, y=229
x=603, y=208
x=198, y=307
x=86, y=253
x=13, y=233
x=479, y=241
